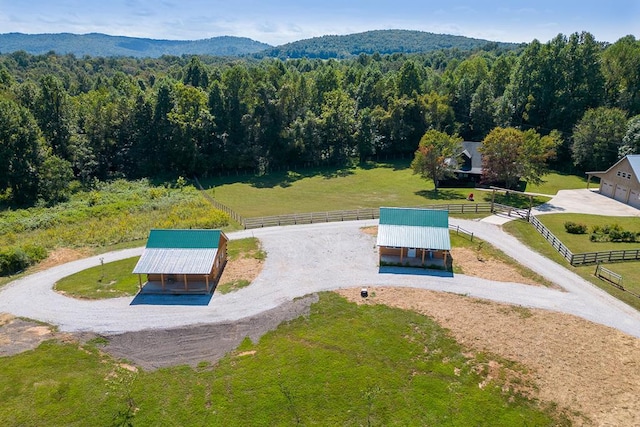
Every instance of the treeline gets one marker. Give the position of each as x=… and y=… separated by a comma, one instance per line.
x=383, y=42
x=85, y=119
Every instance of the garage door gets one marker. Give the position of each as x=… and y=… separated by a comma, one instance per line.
x=634, y=198
x=606, y=189
x=621, y=194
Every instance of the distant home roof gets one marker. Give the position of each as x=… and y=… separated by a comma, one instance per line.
x=634, y=161
x=179, y=252
x=473, y=163
x=414, y=228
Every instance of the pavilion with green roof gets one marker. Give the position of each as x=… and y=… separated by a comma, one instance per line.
x=182, y=261
x=414, y=237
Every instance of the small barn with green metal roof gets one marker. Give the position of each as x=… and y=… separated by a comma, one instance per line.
x=414, y=237
x=182, y=261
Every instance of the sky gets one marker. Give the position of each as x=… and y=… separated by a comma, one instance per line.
x=283, y=21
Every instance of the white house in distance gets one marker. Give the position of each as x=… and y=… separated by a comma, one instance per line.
x=621, y=181
x=414, y=237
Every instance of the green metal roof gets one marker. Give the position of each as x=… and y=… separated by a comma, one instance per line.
x=414, y=217
x=407, y=236
x=183, y=239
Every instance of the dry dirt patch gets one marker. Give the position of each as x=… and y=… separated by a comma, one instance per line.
x=487, y=268
x=590, y=370
x=61, y=256
x=18, y=335
x=241, y=269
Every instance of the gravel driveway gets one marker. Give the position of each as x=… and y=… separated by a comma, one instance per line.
x=302, y=260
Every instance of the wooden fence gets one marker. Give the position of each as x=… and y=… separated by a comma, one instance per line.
x=352, y=215
x=233, y=214
x=551, y=238
x=585, y=257
x=610, y=276
x=607, y=256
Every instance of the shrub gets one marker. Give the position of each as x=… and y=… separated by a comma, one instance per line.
x=15, y=259
x=613, y=233
x=575, y=228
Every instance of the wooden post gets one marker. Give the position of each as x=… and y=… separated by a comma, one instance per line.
x=206, y=279
x=162, y=280
x=186, y=288
x=423, y=251
x=493, y=198
x=530, y=206
x=140, y=281
x=401, y=251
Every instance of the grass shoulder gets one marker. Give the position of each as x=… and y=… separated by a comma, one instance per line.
x=630, y=271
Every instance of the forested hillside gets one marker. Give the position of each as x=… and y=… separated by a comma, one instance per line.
x=95, y=44
x=66, y=119
x=378, y=41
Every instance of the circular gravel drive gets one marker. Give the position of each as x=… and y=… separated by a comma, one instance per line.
x=302, y=260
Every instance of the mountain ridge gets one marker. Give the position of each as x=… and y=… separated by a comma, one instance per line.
x=325, y=47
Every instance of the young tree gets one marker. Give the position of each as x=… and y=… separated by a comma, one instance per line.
x=509, y=154
x=54, y=174
x=597, y=138
x=631, y=140
x=20, y=152
x=432, y=157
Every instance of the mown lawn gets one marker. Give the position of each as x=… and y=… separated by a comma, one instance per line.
x=579, y=243
x=391, y=184
x=553, y=182
x=342, y=365
x=630, y=270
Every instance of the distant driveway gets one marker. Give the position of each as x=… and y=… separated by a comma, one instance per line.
x=585, y=201
x=305, y=259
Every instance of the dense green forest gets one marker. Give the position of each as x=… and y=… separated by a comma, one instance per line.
x=92, y=119
x=383, y=42
x=96, y=44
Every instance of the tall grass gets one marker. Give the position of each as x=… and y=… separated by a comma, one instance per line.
x=113, y=213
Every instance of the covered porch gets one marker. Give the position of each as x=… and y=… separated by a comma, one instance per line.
x=415, y=257
x=177, y=284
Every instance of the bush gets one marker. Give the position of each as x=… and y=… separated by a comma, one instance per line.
x=15, y=259
x=575, y=228
x=613, y=233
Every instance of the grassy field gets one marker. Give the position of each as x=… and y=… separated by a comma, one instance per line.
x=553, y=182
x=391, y=184
x=630, y=270
x=109, y=280
x=578, y=243
x=402, y=369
